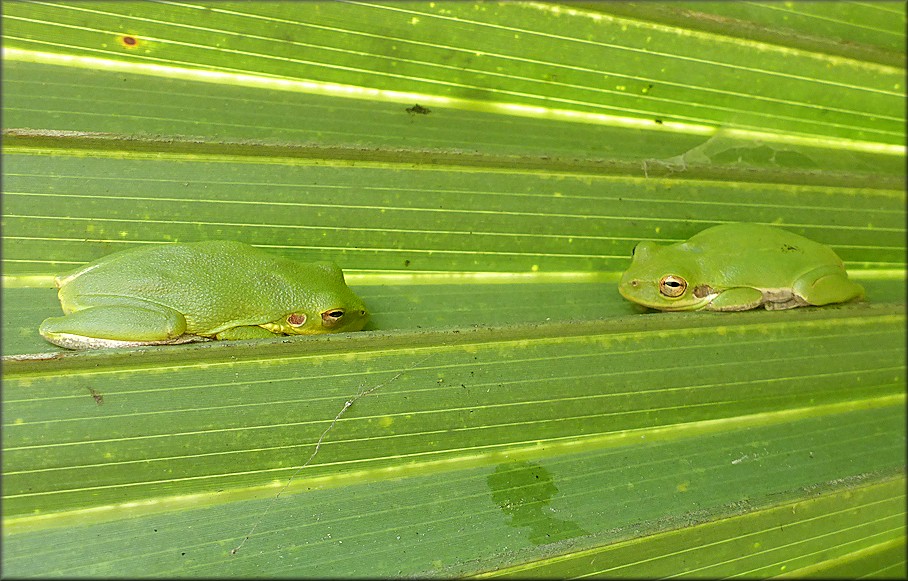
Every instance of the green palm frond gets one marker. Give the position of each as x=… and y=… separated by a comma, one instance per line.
x=482, y=172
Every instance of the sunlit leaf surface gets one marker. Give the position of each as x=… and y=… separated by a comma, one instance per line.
x=481, y=172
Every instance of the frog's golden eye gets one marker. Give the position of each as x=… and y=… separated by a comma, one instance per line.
x=332, y=317
x=672, y=286
x=296, y=320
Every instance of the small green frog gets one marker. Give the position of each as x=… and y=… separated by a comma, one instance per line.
x=736, y=267
x=178, y=293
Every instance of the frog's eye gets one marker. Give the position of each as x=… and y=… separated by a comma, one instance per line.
x=672, y=286
x=332, y=317
x=296, y=320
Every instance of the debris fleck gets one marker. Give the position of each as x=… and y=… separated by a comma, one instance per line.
x=318, y=444
x=418, y=109
x=99, y=399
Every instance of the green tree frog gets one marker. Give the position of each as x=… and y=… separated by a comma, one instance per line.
x=178, y=293
x=736, y=267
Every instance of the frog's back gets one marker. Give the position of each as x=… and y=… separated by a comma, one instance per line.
x=137, y=269
x=774, y=257
x=216, y=280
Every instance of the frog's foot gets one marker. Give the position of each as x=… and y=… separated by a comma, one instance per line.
x=116, y=326
x=828, y=288
x=792, y=303
x=782, y=299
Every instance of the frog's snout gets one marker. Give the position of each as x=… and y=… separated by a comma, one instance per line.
x=626, y=284
x=361, y=316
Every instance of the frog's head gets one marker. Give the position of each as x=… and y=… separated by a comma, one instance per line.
x=332, y=308
x=661, y=277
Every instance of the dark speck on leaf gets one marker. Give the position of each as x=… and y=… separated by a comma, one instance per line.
x=418, y=110
x=658, y=121
x=789, y=248
x=99, y=399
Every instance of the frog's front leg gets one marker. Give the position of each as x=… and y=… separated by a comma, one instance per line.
x=245, y=332
x=116, y=326
x=736, y=299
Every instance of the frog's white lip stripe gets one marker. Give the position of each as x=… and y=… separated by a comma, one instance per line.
x=693, y=306
x=709, y=298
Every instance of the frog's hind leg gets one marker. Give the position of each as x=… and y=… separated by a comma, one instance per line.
x=114, y=326
x=827, y=286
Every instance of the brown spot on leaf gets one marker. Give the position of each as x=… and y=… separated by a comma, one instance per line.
x=128, y=41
